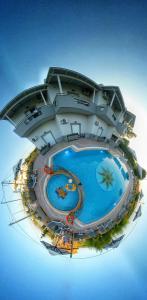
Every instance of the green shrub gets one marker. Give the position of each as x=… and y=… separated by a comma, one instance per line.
x=143, y=173
x=126, y=142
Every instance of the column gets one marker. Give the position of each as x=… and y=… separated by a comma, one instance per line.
x=43, y=98
x=59, y=83
x=11, y=121
x=93, y=98
x=112, y=100
x=120, y=115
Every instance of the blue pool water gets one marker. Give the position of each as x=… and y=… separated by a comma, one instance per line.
x=70, y=200
x=87, y=165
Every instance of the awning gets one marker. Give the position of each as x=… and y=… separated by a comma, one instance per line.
x=138, y=213
x=53, y=250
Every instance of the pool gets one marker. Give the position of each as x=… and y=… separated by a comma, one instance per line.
x=70, y=200
x=103, y=177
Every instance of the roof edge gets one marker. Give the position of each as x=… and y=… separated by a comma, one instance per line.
x=64, y=71
x=17, y=99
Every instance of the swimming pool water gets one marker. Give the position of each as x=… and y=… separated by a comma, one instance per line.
x=70, y=200
x=86, y=165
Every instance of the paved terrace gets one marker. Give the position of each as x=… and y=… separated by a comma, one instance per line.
x=42, y=200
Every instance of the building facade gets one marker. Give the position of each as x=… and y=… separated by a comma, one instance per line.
x=68, y=103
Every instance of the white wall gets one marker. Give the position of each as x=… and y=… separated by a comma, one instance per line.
x=52, y=91
x=48, y=126
x=71, y=118
x=92, y=128
x=58, y=129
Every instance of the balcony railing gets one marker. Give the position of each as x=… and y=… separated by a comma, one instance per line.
x=73, y=104
x=35, y=119
x=107, y=114
x=121, y=128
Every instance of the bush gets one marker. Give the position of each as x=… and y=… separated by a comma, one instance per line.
x=143, y=173
x=98, y=242
x=126, y=142
x=32, y=156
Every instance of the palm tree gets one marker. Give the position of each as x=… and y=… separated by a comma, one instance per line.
x=107, y=177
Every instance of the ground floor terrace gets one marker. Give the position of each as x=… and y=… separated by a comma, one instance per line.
x=51, y=215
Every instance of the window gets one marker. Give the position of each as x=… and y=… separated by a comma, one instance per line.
x=100, y=131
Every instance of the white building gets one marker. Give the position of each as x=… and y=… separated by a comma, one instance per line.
x=68, y=103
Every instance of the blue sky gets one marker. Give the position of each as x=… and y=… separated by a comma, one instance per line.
x=107, y=41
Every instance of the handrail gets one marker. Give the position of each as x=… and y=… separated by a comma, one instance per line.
x=26, y=118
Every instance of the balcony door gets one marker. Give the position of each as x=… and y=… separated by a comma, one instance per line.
x=76, y=128
x=48, y=138
x=99, y=131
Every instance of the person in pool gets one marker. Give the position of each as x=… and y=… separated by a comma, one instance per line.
x=61, y=192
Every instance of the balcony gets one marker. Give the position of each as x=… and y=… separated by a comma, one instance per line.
x=34, y=120
x=106, y=114
x=121, y=128
x=73, y=104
